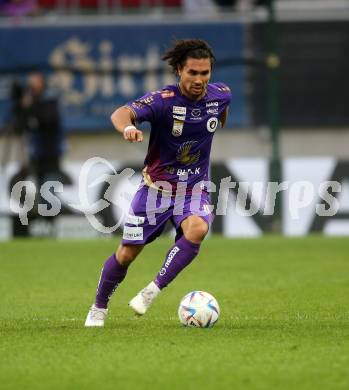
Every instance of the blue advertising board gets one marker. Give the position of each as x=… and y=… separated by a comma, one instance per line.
x=95, y=68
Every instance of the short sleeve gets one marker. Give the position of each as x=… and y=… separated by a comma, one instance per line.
x=146, y=108
x=224, y=92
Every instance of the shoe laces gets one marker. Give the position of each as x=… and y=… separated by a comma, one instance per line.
x=147, y=296
x=98, y=314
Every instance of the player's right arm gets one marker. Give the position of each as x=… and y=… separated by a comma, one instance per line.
x=124, y=121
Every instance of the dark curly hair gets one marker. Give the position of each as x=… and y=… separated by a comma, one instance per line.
x=188, y=48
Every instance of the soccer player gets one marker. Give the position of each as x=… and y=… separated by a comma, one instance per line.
x=183, y=118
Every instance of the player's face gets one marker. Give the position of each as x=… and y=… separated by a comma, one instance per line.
x=194, y=77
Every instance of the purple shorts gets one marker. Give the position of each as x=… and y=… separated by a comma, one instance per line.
x=151, y=209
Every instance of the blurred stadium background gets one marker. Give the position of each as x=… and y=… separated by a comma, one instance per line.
x=285, y=61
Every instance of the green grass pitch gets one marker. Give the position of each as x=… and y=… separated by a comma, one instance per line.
x=284, y=318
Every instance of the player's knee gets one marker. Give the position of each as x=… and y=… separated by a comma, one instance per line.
x=125, y=255
x=201, y=231
x=196, y=230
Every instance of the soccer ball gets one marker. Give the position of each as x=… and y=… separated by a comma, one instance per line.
x=198, y=309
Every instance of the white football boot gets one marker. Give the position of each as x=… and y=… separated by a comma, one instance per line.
x=96, y=317
x=141, y=302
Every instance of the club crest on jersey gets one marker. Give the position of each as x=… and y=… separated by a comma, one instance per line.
x=177, y=128
x=212, y=124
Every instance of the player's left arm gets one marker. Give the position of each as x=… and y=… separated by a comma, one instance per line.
x=224, y=116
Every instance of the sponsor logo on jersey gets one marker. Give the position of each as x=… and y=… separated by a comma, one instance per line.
x=177, y=128
x=213, y=111
x=184, y=156
x=167, y=94
x=179, y=110
x=212, y=124
x=133, y=233
x=178, y=117
x=188, y=171
x=212, y=104
x=196, y=112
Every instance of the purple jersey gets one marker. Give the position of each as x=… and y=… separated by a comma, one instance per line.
x=181, y=132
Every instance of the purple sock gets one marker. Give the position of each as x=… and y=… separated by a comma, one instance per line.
x=178, y=257
x=111, y=276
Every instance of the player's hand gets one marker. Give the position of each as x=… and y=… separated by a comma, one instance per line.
x=133, y=135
